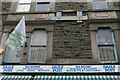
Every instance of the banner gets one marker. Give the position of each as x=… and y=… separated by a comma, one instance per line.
x=58, y=68
x=18, y=36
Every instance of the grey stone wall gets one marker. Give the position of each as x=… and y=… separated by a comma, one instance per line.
x=0, y=29
x=118, y=12
x=5, y=10
x=71, y=6
x=5, y=7
x=0, y=20
x=117, y=5
x=71, y=41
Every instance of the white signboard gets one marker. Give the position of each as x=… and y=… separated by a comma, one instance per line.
x=58, y=68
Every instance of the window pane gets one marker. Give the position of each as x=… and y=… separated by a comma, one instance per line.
x=38, y=47
x=100, y=5
x=42, y=7
x=106, y=53
x=105, y=37
x=38, y=54
x=13, y=55
x=23, y=8
x=25, y=1
x=106, y=46
x=39, y=37
x=99, y=0
x=44, y=0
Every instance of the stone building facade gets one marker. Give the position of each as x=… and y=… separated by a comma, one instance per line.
x=4, y=8
x=73, y=30
x=1, y=21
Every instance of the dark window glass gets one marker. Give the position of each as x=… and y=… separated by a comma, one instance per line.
x=43, y=6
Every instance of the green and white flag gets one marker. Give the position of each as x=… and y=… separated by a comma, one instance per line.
x=18, y=37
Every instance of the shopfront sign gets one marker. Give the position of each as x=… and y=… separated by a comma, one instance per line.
x=58, y=68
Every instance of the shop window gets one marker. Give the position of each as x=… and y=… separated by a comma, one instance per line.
x=23, y=6
x=42, y=6
x=99, y=4
x=38, y=46
x=106, y=46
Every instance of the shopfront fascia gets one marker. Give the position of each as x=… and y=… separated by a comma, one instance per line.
x=60, y=72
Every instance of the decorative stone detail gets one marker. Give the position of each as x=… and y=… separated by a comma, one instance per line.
x=30, y=17
x=102, y=15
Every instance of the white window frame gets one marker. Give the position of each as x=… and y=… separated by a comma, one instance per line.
x=99, y=2
x=37, y=45
x=105, y=45
x=23, y=6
